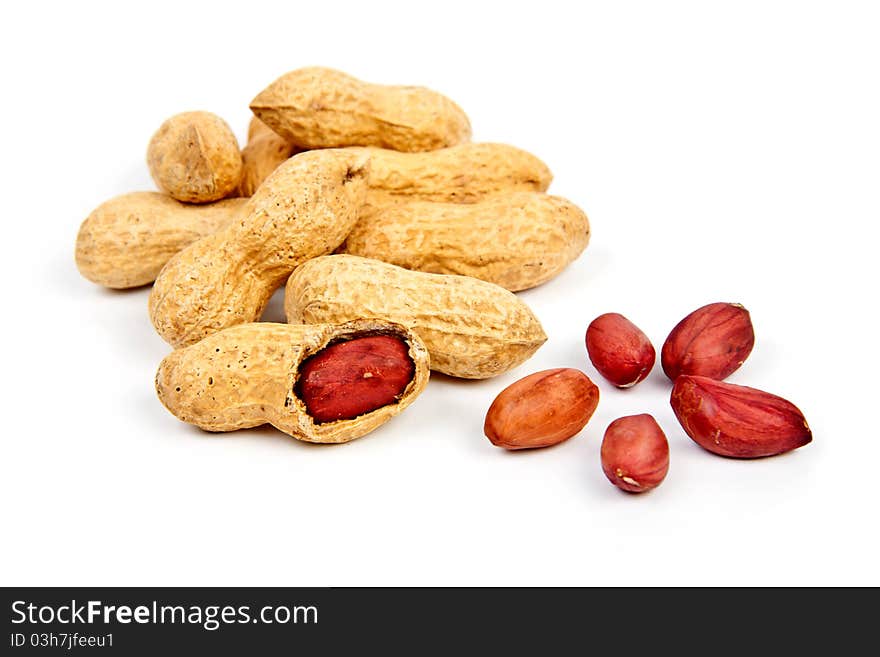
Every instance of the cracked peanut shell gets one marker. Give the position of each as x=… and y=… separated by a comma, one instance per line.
x=246, y=376
x=472, y=329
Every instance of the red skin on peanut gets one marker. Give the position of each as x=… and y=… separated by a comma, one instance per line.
x=737, y=421
x=635, y=453
x=619, y=350
x=712, y=341
x=541, y=409
x=351, y=378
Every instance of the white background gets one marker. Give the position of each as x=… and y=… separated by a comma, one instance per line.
x=723, y=151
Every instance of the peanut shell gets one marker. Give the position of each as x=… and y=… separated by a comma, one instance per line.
x=517, y=240
x=460, y=174
x=194, y=157
x=473, y=329
x=264, y=152
x=127, y=240
x=245, y=376
x=319, y=107
x=304, y=209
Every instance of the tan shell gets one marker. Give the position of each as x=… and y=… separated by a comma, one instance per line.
x=194, y=157
x=265, y=152
x=126, y=241
x=460, y=174
x=516, y=240
x=304, y=209
x=244, y=376
x=473, y=329
x=324, y=108
x=257, y=128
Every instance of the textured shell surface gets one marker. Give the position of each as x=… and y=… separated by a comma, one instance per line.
x=245, y=376
x=127, y=240
x=472, y=329
x=264, y=152
x=257, y=128
x=318, y=107
x=517, y=240
x=195, y=158
x=303, y=210
x=460, y=174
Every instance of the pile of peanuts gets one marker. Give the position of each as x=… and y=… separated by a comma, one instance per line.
x=400, y=242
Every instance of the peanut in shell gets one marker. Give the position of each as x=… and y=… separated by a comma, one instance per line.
x=127, y=240
x=265, y=151
x=459, y=174
x=517, y=240
x=472, y=329
x=194, y=157
x=245, y=376
x=318, y=107
x=304, y=209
